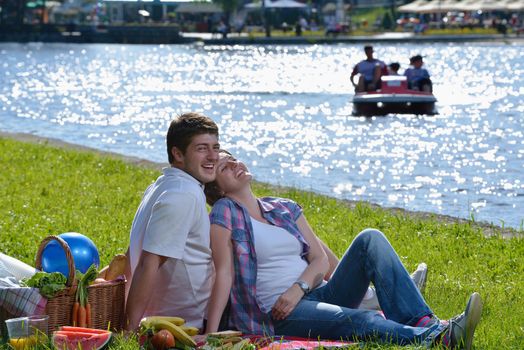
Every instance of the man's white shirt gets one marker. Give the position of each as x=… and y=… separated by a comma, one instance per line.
x=172, y=221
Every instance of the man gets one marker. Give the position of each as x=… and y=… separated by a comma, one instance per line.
x=170, y=268
x=370, y=71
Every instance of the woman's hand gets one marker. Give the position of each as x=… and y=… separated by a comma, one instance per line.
x=287, y=302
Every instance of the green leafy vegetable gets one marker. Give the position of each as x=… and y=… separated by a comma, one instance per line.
x=48, y=283
x=84, y=280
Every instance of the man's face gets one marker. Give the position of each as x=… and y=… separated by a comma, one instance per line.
x=201, y=157
x=369, y=53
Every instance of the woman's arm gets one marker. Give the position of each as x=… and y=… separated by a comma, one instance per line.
x=332, y=258
x=317, y=258
x=313, y=275
x=127, y=270
x=222, y=252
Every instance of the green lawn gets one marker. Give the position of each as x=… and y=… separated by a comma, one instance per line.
x=46, y=190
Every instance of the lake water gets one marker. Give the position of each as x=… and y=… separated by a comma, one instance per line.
x=286, y=111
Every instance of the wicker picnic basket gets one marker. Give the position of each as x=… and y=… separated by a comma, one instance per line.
x=107, y=299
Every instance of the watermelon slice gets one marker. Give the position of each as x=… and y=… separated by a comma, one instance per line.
x=76, y=340
x=83, y=329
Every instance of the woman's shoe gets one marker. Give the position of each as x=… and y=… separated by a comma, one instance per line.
x=462, y=327
x=420, y=276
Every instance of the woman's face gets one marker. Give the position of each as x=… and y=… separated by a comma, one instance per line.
x=231, y=174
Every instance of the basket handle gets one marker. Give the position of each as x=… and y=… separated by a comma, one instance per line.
x=68, y=254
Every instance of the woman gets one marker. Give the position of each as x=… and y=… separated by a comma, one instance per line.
x=418, y=77
x=270, y=266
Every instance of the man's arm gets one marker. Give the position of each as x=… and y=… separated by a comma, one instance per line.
x=353, y=73
x=140, y=290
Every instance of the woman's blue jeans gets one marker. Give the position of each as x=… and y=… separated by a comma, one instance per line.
x=331, y=311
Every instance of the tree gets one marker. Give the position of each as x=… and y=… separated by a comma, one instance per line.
x=229, y=7
x=13, y=12
x=387, y=21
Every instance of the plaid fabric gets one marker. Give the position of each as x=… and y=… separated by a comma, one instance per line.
x=246, y=313
x=308, y=344
x=22, y=301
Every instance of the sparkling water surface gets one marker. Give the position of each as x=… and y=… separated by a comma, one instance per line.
x=286, y=111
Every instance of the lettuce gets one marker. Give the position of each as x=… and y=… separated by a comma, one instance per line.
x=48, y=283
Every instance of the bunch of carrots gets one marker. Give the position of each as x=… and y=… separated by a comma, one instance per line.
x=81, y=316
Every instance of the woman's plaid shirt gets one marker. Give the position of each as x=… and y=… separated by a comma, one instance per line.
x=246, y=313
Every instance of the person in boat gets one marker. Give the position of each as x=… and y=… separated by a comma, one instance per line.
x=418, y=77
x=393, y=68
x=270, y=265
x=370, y=70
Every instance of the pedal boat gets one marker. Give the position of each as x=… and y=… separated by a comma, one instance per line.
x=393, y=97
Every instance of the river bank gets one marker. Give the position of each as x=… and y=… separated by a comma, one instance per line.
x=171, y=35
x=488, y=229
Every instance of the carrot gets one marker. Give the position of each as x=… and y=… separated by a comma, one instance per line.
x=74, y=316
x=82, y=316
x=88, y=316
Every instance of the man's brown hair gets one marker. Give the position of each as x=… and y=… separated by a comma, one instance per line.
x=183, y=128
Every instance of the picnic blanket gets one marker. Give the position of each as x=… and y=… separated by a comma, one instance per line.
x=15, y=300
x=296, y=343
x=307, y=345
x=21, y=301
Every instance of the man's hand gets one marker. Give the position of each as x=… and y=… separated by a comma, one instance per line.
x=200, y=338
x=352, y=80
x=287, y=302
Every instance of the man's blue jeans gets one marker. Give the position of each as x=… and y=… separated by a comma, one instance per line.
x=330, y=311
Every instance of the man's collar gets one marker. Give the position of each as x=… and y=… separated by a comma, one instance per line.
x=179, y=172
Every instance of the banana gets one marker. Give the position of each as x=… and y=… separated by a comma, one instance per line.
x=232, y=340
x=177, y=332
x=177, y=321
x=225, y=334
x=226, y=346
x=240, y=345
x=190, y=330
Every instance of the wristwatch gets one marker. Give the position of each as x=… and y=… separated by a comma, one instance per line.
x=304, y=286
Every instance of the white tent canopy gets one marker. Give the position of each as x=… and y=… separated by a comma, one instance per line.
x=412, y=7
x=517, y=5
x=439, y=6
x=442, y=6
x=276, y=4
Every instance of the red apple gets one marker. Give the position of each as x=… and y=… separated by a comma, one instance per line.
x=163, y=340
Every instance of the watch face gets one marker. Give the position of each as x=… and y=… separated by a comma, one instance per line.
x=304, y=286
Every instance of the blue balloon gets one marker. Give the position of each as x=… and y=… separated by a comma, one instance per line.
x=82, y=248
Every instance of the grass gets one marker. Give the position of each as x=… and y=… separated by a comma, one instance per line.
x=46, y=190
x=362, y=31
